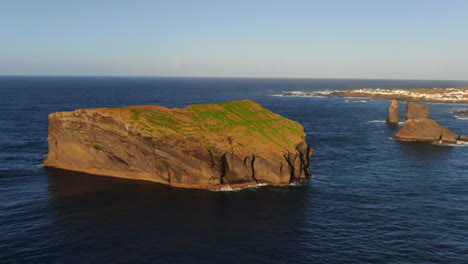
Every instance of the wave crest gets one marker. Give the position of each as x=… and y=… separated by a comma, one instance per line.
x=228, y=188
x=324, y=93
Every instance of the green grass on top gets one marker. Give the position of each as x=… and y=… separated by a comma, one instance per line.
x=217, y=117
x=246, y=114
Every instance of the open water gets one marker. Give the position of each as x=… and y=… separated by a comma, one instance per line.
x=372, y=199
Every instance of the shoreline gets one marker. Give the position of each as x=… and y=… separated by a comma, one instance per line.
x=147, y=177
x=428, y=95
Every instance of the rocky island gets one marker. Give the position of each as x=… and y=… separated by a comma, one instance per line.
x=437, y=95
x=208, y=146
x=425, y=129
x=418, y=126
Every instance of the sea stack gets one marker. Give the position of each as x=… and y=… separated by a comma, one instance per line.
x=208, y=146
x=415, y=111
x=393, y=113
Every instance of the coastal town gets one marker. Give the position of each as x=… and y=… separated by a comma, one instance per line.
x=441, y=95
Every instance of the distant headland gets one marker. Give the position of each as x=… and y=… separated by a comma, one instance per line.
x=437, y=95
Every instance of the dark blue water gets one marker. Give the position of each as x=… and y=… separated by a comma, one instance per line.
x=372, y=199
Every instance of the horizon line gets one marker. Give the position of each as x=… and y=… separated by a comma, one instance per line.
x=224, y=77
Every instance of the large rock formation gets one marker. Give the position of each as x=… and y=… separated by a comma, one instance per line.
x=207, y=146
x=393, y=113
x=415, y=111
x=425, y=129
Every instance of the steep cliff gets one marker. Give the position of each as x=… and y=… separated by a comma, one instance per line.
x=206, y=146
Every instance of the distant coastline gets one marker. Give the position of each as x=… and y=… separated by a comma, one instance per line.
x=434, y=95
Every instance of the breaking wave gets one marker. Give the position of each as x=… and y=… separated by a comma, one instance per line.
x=382, y=121
x=458, y=144
x=228, y=188
x=461, y=117
x=461, y=144
x=356, y=101
x=324, y=93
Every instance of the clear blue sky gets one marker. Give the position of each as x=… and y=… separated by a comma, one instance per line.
x=409, y=39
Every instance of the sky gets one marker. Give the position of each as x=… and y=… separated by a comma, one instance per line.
x=381, y=39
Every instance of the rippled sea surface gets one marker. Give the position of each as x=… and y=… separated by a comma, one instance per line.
x=372, y=199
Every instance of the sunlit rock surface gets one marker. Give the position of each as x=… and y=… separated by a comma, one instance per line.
x=415, y=111
x=425, y=129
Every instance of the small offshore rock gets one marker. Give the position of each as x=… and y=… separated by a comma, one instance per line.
x=461, y=112
x=425, y=129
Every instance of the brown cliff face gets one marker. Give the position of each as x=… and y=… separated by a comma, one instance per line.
x=393, y=113
x=415, y=111
x=425, y=129
x=208, y=146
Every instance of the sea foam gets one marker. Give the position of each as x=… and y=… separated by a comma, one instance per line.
x=323, y=93
x=228, y=188
x=461, y=117
x=382, y=121
x=458, y=144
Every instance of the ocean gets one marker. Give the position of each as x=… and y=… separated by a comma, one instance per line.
x=371, y=199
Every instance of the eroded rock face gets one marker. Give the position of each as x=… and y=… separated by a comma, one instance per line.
x=415, y=111
x=425, y=129
x=206, y=146
x=393, y=113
